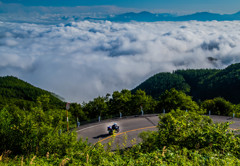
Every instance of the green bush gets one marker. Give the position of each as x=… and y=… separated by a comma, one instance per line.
x=181, y=129
x=183, y=138
x=219, y=106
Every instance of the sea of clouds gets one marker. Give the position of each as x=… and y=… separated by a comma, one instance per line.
x=83, y=60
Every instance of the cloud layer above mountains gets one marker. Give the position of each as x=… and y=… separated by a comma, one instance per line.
x=82, y=60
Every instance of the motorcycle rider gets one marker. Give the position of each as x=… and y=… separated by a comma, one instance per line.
x=114, y=126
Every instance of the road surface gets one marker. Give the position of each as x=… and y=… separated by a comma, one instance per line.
x=130, y=127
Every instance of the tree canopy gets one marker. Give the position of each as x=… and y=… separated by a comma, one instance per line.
x=201, y=84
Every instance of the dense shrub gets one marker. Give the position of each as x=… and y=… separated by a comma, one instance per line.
x=181, y=129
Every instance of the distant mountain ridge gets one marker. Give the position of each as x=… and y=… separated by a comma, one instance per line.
x=202, y=84
x=152, y=17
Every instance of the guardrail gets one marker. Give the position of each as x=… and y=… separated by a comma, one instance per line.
x=119, y=116
x=102, y=119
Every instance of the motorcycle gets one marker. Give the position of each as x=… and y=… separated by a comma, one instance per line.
x=112, y=128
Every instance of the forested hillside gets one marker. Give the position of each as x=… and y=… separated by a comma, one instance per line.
x=201, y=84
x=161, y=82
x=23, y=94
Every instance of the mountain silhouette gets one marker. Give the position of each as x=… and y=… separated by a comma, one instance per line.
x=145, y=16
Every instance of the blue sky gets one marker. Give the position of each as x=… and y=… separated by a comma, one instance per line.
x=220, y=6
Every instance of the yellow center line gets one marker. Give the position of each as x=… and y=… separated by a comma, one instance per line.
x=137, y=130
x=126, y=132
x=233, y=129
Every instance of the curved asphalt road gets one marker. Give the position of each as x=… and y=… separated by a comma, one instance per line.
x=130, y=127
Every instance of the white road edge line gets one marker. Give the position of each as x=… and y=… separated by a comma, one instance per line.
x=89, y=127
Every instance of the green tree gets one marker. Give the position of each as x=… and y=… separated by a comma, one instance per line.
x=95, y=108
x=34, y=131
x=218, y=106
x=77, y=111
x=140, y=99
x=120, y=102
x=43, y=102
x=237, y=110
x=173, y=99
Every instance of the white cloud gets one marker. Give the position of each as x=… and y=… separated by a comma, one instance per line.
x=82, y=60
x=16, y=12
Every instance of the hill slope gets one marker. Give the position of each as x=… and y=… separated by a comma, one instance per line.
x=201, y=84
x=14, y=90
